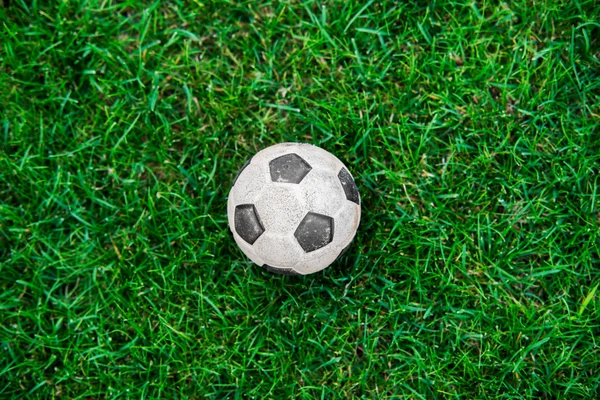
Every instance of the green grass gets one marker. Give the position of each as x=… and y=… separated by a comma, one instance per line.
x=472, y=129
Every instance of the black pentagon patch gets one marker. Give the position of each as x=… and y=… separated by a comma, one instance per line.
x=280, y=271
x=247, y=223
x=314, y=232
x=240, y=171
x=349, y=186
x=289, y=168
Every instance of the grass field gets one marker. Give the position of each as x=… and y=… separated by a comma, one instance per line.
x=472, y=129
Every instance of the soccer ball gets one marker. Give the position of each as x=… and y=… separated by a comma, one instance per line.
x=293, y=208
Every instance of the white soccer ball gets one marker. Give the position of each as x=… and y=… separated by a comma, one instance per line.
x=294, y=208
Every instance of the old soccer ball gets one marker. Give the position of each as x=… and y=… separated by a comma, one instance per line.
x=294, y=208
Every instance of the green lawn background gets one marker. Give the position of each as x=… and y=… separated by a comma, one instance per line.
x=470, y=127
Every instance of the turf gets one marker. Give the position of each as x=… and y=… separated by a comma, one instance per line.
x=472, y=129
